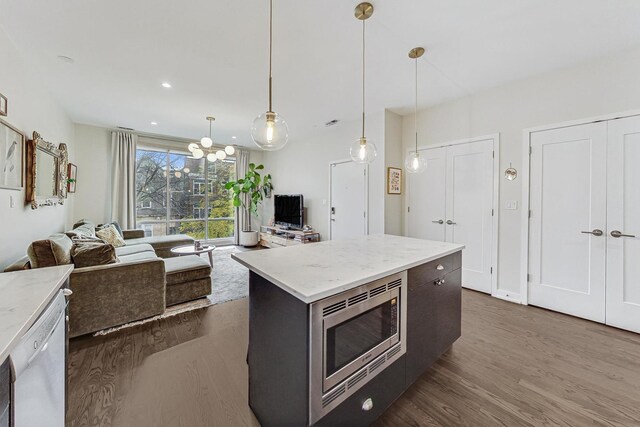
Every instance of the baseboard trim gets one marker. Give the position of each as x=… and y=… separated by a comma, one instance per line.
x=508, y=296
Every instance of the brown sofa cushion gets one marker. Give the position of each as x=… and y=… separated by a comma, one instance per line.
x=186, y=269
x=87, y=253
x=133, y=249
x=56, y=250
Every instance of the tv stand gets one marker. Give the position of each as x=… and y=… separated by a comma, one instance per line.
x=277, y=237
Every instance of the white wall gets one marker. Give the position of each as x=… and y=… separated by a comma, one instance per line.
x=393, y=207
x=302, y=167
x=31, y=108
x=93, y=189
x=605, y=86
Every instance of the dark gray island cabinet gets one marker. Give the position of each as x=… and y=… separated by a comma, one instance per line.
x=339, y=330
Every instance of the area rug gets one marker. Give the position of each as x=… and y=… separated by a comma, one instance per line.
x=229, y=282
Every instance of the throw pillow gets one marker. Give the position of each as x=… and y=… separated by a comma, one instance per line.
x=83, y=231
x=56, y=250
x=110, y=235
x=84, y=222
x=87, y=253
x=114, y=223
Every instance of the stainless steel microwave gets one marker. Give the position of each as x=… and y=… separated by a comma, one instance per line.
x=354, y=335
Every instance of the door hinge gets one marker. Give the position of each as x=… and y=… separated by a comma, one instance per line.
x=364, y=214
x=491, y=270
x=409, y=209
x=493, y=154
x=491, y=212
x=530, y=150
x=528, y=277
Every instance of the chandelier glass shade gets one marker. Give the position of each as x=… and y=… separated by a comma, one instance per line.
x=205, y=148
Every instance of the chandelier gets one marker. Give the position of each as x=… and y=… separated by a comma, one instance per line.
x=206, y=148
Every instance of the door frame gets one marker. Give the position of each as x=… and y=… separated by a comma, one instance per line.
x=495, y=292
x=526, y=186
x=366, y=196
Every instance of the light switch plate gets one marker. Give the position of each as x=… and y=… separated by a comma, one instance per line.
x=12, y=202
x=511, y=205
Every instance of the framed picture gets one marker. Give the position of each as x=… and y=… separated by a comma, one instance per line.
x=394, y=181
x=11, y=157
x=72, y=176
x=3, y=105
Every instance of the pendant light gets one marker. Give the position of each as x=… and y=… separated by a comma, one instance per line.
x=415, y=163
x=363, y=150
x=269, y=131
x=206, y=147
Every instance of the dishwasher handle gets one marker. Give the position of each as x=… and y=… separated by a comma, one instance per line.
x=45, y=342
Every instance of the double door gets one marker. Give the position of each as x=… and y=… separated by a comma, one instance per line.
x=452, y=201
x=584, y=230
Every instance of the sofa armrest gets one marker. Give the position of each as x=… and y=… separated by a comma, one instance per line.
x=132, y=234
x=110, y=295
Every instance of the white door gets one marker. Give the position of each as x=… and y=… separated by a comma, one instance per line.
x=452, y=201
x=469, y=208
x=623, y=217
x=568, y=209
x=427, y=197
x=348, y=200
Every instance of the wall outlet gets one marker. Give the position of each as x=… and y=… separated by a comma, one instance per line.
x=511, y=205
x=12, y=202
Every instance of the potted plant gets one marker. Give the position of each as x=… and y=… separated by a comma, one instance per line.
x=248, y=193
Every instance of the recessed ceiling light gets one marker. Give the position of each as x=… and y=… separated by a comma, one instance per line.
x=66, y=59
x=154, y=123
x=234, y=137
x=166, y=85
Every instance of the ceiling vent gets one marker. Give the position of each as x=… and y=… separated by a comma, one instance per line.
x=332, y=123
x=124, y=128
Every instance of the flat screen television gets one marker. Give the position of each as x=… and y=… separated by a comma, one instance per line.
x=289, y=210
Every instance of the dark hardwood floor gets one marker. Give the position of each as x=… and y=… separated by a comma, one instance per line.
x=513, y=366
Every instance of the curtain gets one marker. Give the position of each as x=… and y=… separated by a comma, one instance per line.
x=123, y=179
x=242, y=219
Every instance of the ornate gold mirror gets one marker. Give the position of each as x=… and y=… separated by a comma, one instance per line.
x=46, y=172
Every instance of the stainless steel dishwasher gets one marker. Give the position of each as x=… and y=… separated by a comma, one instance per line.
x=39, y=366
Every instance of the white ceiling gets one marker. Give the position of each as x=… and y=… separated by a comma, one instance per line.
x=214, y=53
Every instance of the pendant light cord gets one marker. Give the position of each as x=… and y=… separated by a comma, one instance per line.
x=270, y=47
x=209, y=128
x=363, y=73
x=415, y=114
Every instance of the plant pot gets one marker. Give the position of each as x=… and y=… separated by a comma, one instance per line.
x=249, y=238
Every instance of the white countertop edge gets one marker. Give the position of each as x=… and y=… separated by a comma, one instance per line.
x=308, y=299
x=7, y=348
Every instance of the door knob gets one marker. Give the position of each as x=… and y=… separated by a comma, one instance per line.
x=438, y=221
x=596, y=232
x=617, y=234
x=449, y=222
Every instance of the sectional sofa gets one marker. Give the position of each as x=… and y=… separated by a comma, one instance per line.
x=141, y=283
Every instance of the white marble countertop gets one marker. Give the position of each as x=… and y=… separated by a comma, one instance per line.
x=23, y=297
x=315, y=271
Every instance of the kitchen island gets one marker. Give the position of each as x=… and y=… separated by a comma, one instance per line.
x=340, y=329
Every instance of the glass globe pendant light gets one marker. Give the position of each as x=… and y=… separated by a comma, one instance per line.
x=363, y=150
x=269, y=130
x=415, y=163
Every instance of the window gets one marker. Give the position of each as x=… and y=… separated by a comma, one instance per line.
x=177, y=194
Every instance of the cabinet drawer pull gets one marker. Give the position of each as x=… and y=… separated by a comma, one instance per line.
x=367, y=405
x=439, y=282
x=440, y=267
